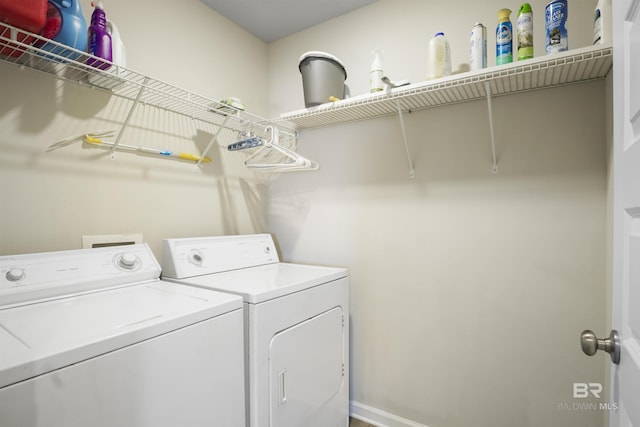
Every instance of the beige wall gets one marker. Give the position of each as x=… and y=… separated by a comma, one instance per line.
x=468, y=290
x=50, y=200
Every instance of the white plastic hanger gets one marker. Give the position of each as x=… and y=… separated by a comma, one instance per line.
x=291, y=162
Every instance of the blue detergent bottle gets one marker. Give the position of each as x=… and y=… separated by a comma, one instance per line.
x=65, y=24
x=98, y=38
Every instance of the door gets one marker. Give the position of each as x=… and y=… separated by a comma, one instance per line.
x=306, y=370
x=625, y=384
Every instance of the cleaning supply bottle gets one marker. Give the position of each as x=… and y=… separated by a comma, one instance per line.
x=556, y=15
x=375, y=77
x=64, y=24
x=525, y=32
x=602, y=22
x=439, y=57
x=504, y=38
x=118, y=52
x=119, y=59
x=98, y=38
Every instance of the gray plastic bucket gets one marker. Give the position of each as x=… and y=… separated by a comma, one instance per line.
x=323, y=76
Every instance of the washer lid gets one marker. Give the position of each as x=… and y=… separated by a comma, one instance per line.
x=41, y=337
x=266, y=282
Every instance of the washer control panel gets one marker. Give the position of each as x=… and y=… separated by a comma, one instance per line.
x=42, y=275
x=183, y=258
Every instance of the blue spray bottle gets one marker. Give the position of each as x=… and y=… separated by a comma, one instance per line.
x=98, y=38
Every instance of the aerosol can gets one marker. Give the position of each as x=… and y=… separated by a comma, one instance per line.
x=504, y=38
x=557, y=38
x=525, y=32
x=478, y=47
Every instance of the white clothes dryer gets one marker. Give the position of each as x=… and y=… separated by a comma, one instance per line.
x=296, y=325
x=93, y=337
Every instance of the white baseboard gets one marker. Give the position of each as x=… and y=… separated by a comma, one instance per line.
x=378, y=417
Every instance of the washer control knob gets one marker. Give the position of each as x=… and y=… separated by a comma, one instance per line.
x=15, y=274
x=127, y=261
x=196, y=258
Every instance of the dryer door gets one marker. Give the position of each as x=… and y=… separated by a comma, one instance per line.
x=306, y=368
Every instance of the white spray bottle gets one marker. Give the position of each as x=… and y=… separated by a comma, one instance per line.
x=375, y=78
x=602, y=22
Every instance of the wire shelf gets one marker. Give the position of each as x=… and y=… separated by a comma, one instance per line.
x=570, y=67
x=32, y=51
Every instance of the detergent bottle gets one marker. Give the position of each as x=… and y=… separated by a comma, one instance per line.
x=118, y=51
x=65, y=24
x=118, y=57
x=438, y=57
x=98, y=38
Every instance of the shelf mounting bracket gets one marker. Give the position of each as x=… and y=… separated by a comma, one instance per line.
x=404, y=138
x=487, y=88
x=213, y=139
x=126, y=121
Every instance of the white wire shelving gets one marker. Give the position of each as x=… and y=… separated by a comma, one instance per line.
x=575, y=66
x=564, y=68
x=27, y=50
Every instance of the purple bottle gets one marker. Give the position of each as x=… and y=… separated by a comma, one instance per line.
x=98, y=38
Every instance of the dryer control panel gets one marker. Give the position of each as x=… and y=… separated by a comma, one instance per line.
x=30, y=277
x=183, y=258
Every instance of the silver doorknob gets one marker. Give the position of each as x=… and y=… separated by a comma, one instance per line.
x=591, y=344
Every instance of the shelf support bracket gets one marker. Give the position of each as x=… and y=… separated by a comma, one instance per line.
x=487, y=88
x=404, y=138
x=213, y=139
x=126, y=121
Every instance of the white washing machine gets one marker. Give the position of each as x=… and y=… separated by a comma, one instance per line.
x=296, y=325
x=93, y=338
